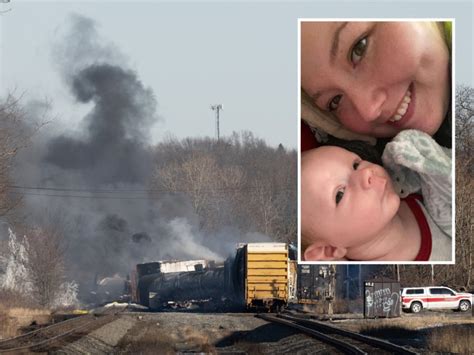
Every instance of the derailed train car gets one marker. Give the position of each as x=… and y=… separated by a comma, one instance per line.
x=146, y=278
x=182, y=289
x=261, y=275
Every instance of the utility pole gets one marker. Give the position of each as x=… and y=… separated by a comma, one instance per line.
x=217, y=108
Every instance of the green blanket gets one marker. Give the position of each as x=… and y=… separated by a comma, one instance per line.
x=417, y=163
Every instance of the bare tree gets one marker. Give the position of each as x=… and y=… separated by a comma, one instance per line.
x=464, y=123
x=15, y=134
x=11, y=139
x=237, y=181
x=45, y=263
x=204, y=181
x=464, y=185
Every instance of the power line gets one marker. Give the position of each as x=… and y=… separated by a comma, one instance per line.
x=150, y=193
x=76, y=189
x=81, y=196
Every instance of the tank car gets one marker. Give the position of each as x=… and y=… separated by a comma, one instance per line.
x=260, y=275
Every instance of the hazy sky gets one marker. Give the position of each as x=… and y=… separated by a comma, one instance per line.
x=194, y=54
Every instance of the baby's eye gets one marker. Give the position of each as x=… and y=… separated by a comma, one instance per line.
x=340, y=195
x=334, y=103
x=356, y=164
x=358, y=51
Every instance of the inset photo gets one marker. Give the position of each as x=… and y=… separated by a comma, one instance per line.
x=376, y=160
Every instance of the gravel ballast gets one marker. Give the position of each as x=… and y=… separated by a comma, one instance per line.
x=102, y=340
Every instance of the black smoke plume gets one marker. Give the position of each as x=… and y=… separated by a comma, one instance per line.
x=115, y=147
x=108, y=233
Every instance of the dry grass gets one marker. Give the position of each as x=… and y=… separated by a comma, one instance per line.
x=451, y=339
x=28, y=313
x=407, y=322
x=442, y=333
x=12, y=319
x=456, y=338
x=9, y=299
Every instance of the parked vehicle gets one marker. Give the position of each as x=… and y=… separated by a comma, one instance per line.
x=415, y=299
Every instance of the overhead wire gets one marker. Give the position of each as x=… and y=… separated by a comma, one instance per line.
x=146, y=194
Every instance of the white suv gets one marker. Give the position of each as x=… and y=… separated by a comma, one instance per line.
x=435, y=297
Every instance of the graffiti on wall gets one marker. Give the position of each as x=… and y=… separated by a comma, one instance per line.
x=381, y=302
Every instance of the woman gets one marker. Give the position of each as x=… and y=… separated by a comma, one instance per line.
x=377, y=78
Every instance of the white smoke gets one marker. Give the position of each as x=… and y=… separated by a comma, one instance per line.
x=185, y=240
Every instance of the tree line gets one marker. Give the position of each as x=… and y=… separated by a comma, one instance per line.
x=237, y=181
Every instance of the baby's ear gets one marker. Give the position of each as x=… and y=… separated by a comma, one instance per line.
x=320, y=251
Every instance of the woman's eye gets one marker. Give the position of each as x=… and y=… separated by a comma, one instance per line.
x=334, y=103
x=355, y=165
x=339, y=195
x=358, y=50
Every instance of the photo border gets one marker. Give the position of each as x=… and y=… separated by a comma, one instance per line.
x=453, y=150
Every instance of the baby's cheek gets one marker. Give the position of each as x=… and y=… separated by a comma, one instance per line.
x=359, y=230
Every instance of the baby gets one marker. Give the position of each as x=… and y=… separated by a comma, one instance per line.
x=350, y=210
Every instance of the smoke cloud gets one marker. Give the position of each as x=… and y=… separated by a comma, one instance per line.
x=109, y=232
x=115, y=147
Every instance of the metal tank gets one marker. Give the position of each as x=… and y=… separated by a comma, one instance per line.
x=186, y=286
x=260, y=275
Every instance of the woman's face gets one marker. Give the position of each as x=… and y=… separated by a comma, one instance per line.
x=378, y=78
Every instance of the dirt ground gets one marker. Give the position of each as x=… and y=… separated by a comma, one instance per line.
x=244, y=333
x=236, y=333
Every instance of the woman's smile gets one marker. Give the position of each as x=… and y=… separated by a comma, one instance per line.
x=406, y=109
x=402, y=108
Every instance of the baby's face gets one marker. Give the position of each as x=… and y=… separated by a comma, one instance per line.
x=344, y=200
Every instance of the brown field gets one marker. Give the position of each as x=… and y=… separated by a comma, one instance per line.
x=416, y=323
x=440, y=332
x=12, y=319
x=451, y=339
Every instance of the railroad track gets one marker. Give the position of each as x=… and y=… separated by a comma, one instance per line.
x=346, y=341
x=56, y=335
